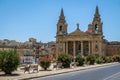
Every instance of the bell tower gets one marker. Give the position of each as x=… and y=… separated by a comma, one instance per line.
x=97, y=33
x=61, y=34
x=97, y=24
x=61, y=25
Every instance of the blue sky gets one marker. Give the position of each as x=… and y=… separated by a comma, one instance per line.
x=22, y=19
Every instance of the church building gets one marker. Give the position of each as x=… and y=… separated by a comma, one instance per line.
x=79, y=42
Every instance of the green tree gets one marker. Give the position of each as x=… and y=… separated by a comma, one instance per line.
x=80, y=59
x=104, y=58
x=91, y=59
x=65, y=59
x=45, y=63
x=116, y=58
x=9, y=61
x=99, y=60
x=109, y=59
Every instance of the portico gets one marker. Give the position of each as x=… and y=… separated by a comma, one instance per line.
x=78, y=47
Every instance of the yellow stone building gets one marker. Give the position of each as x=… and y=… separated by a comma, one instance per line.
x=79, y=42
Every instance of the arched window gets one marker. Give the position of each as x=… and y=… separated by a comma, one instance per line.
x=96, y=27
x=60, y=28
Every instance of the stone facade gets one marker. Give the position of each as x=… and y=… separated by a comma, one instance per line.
x=79, y=42
x=113, y=48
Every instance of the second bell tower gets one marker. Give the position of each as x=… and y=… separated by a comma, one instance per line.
x=97, y=24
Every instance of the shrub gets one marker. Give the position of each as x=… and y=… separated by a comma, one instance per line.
x=91, y=59
x=65, y=59
x=45, y=63
x=99, y=60
x=116, y=58
x=9, y=61
x=104, y=59
x=109, y=59
x=80, y=59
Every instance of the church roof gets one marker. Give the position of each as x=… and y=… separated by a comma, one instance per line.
x=90, y=25
x=89, y=31
x=77, y=32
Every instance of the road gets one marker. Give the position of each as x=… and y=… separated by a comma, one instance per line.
x=103, y=73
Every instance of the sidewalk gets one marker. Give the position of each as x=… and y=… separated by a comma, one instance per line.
x=20, y=75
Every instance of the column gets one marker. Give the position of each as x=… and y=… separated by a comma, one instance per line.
x=67, y=47
x=89, y=47
x=57, y=49
x=92, y=47
x=82, y=47
x=100, y=53
x=64, y=47
x=74, y=50
x=58, y=46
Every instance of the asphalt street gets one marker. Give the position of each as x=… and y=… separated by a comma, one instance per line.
x=102, y=73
